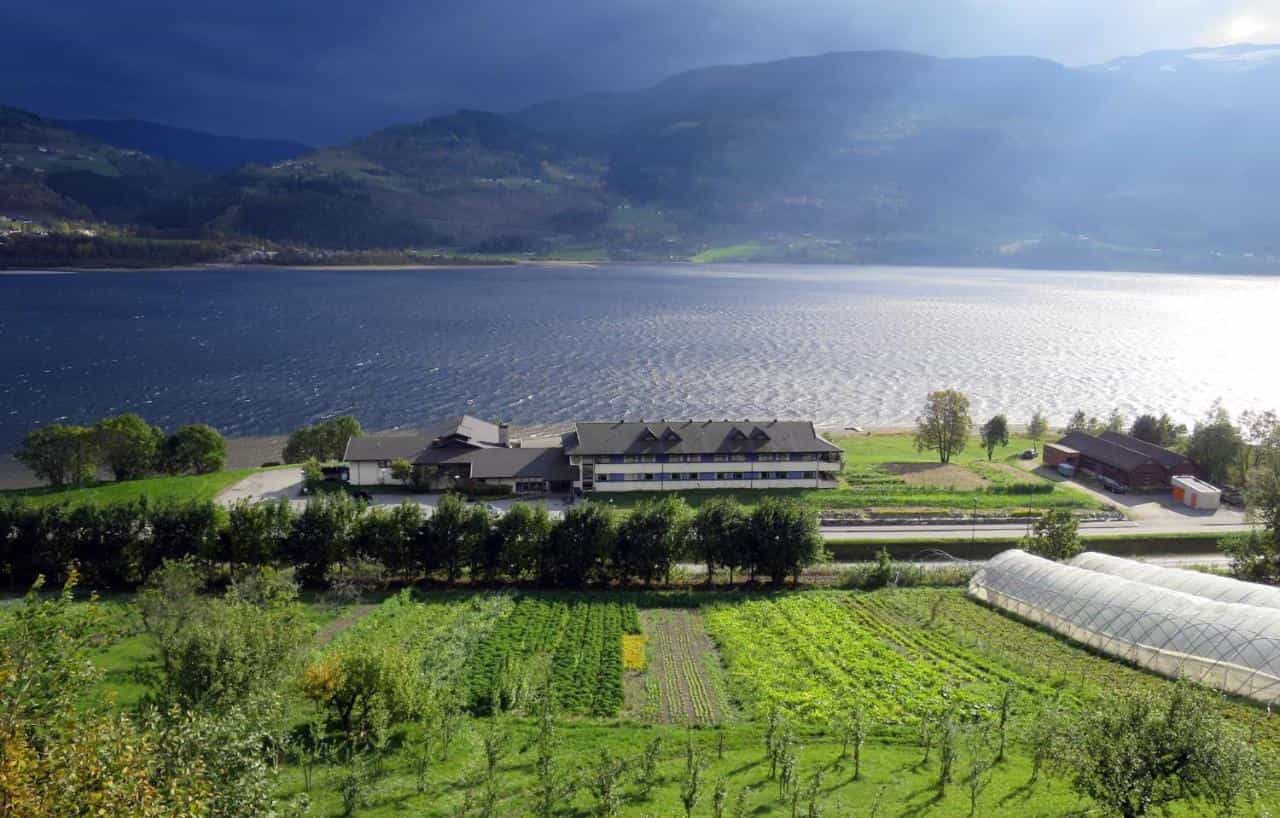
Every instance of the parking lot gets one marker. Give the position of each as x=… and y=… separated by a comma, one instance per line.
x=277, y=484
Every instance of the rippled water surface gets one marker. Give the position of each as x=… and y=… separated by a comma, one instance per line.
x=257, y=351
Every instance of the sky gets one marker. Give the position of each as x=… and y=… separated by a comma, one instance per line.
x=325, y=71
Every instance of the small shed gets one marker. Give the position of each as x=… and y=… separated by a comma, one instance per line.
x=1195, y=493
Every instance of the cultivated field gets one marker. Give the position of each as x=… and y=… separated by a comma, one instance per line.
x=625, y=669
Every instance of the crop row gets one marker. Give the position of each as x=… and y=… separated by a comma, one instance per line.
x=571, y=645
x=815, y=656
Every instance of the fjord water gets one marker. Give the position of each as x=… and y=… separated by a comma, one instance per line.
x=265, y=350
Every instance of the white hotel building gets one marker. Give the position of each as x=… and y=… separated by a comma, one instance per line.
x=698, y=454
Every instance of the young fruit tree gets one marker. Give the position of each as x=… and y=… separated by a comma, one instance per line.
x=944, y=424
x=1144, y=753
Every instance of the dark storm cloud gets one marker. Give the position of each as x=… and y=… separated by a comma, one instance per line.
x=325, y=70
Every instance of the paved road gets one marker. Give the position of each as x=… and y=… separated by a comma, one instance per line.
x=287, y=483
x=964, y=531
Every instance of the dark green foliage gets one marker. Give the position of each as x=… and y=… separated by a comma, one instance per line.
x=179, y=530
x=784, y=539
x=196, y=448
x=128, y=445
x=322, y=441
x=448, y=535
x=390, y=536
x=718, y=536
x=1056, y=536
x=650, y=540
x=322, y=535
x=579, y=546
x=256, y=533
x=523, y=533
x=60, y=455
x=1215, y=444
x=995, y=432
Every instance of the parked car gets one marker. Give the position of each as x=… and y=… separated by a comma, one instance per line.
x=1066, y=470
x=1113, y=486
x=1028, y=454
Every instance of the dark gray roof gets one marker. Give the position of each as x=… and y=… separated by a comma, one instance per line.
x=534, y=463
x=1165, y=457
x=696, y=437
x=461, y=430
x=1105, y=451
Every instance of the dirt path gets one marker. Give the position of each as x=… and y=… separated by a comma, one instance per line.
x=348, y=618
x=683, y=683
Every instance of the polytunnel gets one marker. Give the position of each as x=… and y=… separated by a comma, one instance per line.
x=1229, y=646
x=1198, y=583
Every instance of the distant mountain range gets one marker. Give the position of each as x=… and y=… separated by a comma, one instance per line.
x=209, y=152
x=1165, y=160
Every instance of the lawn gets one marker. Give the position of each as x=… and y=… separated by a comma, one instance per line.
x=184, y=488
x=884, y=474
x=714, y=666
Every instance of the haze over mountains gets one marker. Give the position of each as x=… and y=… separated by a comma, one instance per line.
x=1165, y=160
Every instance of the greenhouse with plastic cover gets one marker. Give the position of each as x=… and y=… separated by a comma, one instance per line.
x=1216, y=631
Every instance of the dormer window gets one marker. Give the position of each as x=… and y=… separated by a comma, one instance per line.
x=759, y=434
x=670, y=436
x=648, y=435
x=737, y=435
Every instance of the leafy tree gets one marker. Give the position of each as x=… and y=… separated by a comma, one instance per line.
x=1140, y=753
x=322, y=534
x=59, y=750
x=651, y=539
x=579, y=545
x=784, y=538
x=1115, y=422
x=1038, y=427
x=1260, y=433
x=1161, y=431
x=60, y=455
x=324, y=441
x=524, y=532
x=1055, y=536
x=605, y=785
x=389, y=536
x=1215, y=444
x=180, y=530
x=256, y=533
x=944, y=424
x=128, y=445
x=995, y=432
x=402, y=470
x=220, y=652
x=196, y=448
x=448, y=534
x=718, y=534
x=1079, y=422
x=358, y=682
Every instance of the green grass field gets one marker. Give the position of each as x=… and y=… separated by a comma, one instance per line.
x=183, y=488
x=896, y=653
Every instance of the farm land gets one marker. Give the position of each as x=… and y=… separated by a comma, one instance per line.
x=709, y=670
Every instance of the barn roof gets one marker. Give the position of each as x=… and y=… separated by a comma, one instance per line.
x=1165, y=457
x=1106, y=451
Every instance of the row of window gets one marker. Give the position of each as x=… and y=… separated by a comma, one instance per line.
x=763, y=457
x=716, y=475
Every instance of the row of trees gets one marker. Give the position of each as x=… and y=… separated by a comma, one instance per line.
x=121, y=544
x=125, y=444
